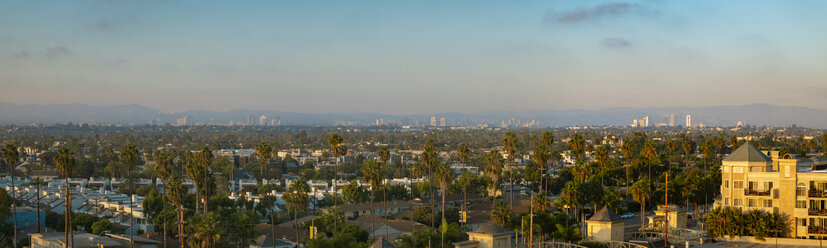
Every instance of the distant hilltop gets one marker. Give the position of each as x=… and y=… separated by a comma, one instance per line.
x=754, y=114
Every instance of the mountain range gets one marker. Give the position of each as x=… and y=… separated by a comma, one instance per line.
x=753, y=114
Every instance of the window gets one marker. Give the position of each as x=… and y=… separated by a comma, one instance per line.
x=738, y=184
x=801, y=222
x=767, y=203
x=752, y=203
x=726, y=184
x=737, y=202
x=767, y=185
x=726, y=201
x=801, y=190
x=800, y=204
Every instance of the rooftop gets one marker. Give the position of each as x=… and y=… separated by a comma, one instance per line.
x=747, y=153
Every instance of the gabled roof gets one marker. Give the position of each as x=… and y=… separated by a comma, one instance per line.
x=605, y=215
x=747, y=153
x=381, y=243
x=490, y=228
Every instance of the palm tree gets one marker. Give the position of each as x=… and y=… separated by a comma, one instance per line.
x=205, y=162
x=338, y=150
x=510, y=146
x=430, y=159
x=194, y=172
x=649, y=151
x=501, y=214
x=494, y=166
x=372, y=173
x=11, y=156
x=444, y=176
x=577, y=145
x=626, y=149
x=163, y=168
x=264, y=152
x=130, y=156
x=462, y=153
x=466, y=181
x=176, y=196
x=297, y=200
x=207, y=231
x=65, y=162
x=384, y=154
x=541, y=158
x=601, y=154
x=640, y=193
x=548, y=139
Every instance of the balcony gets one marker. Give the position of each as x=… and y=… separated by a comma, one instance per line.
x=817, y=212
x=753, y=192
x=817, y=230
x=817, y=193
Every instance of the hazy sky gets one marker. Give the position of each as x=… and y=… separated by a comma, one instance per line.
x=413, y=56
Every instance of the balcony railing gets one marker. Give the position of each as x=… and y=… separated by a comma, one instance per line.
x=817, y=193
x=757, y=192
x=818, y=212
x=817, y=230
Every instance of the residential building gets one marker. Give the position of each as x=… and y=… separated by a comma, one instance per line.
x=794, y=187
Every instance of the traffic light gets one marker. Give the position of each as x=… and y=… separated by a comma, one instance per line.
x=314, y=232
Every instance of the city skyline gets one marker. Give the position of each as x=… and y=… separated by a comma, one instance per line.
x=412, y=57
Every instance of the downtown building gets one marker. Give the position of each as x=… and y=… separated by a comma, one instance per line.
x=796, y=188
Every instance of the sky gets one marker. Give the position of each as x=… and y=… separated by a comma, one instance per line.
x=408, y=57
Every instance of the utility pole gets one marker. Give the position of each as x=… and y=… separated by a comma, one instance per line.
x=37, y=186
x=666, y=216
x=531, y=223
x=181, y=222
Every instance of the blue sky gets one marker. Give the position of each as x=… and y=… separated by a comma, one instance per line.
x=413, y=56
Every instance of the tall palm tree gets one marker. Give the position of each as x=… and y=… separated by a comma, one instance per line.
x=626, y=149
x=510, y=146
x=601, y=155
x=206, y=231
x=163, y=168
x=444, y=176
x=264, y=152
x=372, y=174
x=640, y=193
x=384, y=155
x=11, y=156
x=541, y=157
x=335, y=142
x=430, y=157
x=176, y=196
x=194, y=172
x=65, y=162
x=494, y=166
x=297, y=200
x=649, y=151
x=130, y=156
x=205, y=162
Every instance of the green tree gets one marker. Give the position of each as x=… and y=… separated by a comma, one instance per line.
x=501, y=214
x=264, y=152
x=101, y=226
x=206, y=231
x=444, y=176
x=494, y=166
x=640, y=193
x=163, y=168
x=66, y=162
x=462, y=153
x=10, y=157
x=297, y=200
x=372, y=174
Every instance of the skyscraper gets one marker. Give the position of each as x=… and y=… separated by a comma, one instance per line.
x=442, y=122
x=688, y=120
x=249, y=121
x=433, y=121
x=672, y=120
x=261, y=120
x=646, y=121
